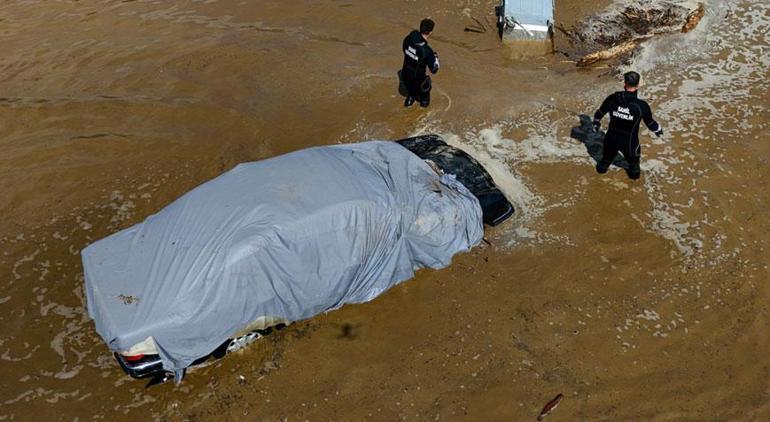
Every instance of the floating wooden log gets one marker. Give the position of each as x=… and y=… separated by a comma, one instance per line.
x=611, y=52
x=693, y=19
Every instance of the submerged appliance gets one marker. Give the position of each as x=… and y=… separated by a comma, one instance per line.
x=525, y=20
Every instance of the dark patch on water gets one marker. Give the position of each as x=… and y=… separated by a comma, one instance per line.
x=100, y=135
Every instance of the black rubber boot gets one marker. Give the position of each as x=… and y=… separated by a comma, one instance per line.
x=409, y=101
x=633, y=175
x=601, y=169
x=634, y=171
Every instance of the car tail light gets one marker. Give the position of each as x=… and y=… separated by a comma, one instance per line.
x=133, y=358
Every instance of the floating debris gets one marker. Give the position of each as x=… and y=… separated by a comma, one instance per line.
x=693, y=19
x=550, y=406
x=617, y=35
x=478, y=27
x=610, y=53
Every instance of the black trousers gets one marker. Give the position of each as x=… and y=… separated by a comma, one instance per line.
x=419, y=88
x=615, y=143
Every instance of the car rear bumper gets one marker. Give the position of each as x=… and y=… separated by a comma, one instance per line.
x=151, y=365
x=146, y=367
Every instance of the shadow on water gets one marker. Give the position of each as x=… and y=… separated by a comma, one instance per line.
x=594, y=141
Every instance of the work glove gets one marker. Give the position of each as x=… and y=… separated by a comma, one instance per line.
x=597, y=125
x=659, y=132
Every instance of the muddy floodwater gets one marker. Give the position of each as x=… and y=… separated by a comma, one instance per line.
x=640, y=300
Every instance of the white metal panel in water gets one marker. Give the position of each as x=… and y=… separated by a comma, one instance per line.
x=527, y=19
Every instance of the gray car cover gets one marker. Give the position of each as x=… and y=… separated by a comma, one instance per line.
x=288, y=237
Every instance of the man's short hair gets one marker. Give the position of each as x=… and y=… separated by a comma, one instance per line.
x=631, y=79
x=426, y=26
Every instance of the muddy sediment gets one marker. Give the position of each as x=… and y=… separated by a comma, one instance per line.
x=635, y=300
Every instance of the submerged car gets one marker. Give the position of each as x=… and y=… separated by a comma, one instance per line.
x=280, y=240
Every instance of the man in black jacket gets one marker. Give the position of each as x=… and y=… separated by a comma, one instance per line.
x=626, y=112
x=417, y=57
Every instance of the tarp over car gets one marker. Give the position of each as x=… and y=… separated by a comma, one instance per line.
x=289, y=237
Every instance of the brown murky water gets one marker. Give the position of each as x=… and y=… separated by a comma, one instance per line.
x=636, y=300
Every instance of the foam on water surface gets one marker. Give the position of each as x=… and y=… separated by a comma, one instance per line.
x=715, y=74
x=716, y=71
x=504, y=157
x=707, y=104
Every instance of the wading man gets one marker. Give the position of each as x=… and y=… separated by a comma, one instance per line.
x=417, y=57
x=626, y=113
